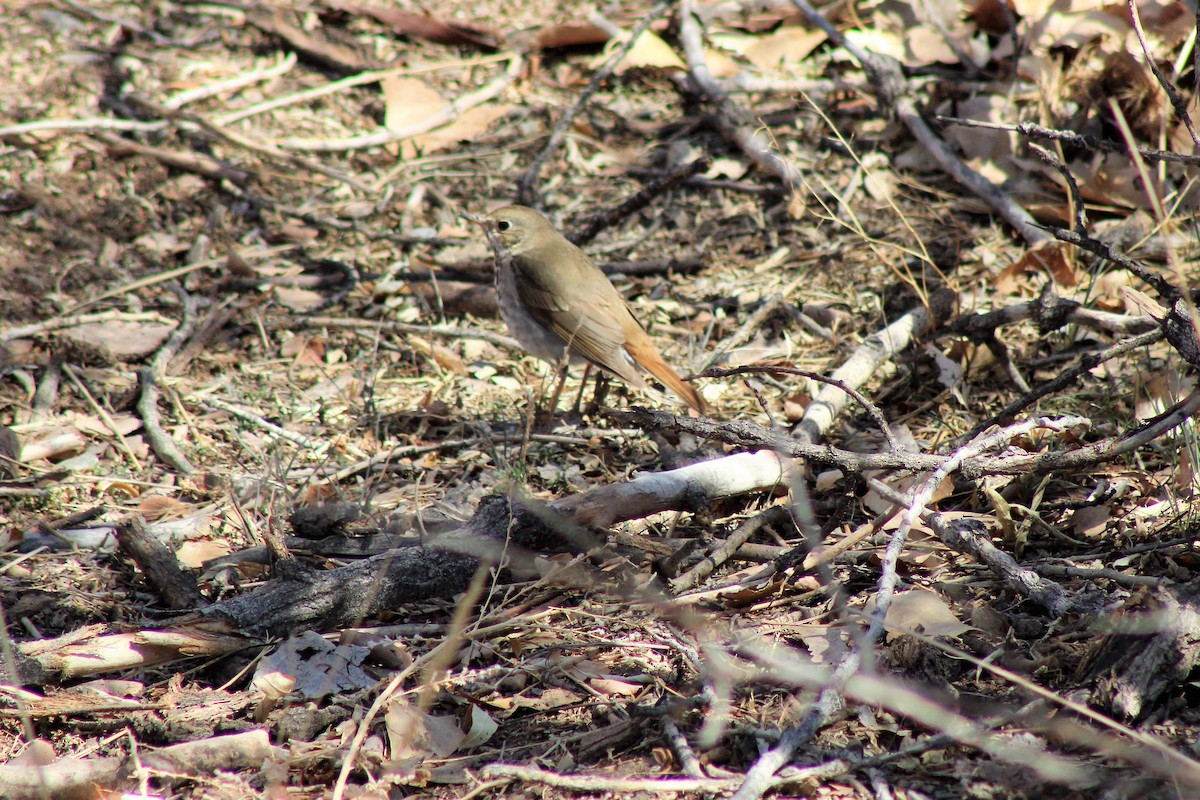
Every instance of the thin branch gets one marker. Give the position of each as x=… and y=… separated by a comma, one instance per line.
x=526, y=194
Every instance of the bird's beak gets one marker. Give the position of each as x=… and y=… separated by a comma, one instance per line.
x=476, y=218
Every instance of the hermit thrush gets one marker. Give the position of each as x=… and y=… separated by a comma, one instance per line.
x=553, y=298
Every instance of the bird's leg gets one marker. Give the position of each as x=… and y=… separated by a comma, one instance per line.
x=587, y=370
x=563, y=363
x=600, y=393
x=558, y=387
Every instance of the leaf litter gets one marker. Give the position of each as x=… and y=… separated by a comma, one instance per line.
x=574, y=667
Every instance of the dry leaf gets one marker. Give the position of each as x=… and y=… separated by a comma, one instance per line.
x=822, y=639
x=405, y=725
x=728, y=168
x=1090, y=522
x=298, y=299
x=296, y=233
x=881, y=185
x=927, y=45
x=482, y=728
x=443, y=356
x=314, y=44
x=1107, y=291
x=320, y=668
x=553, y=697
x=950, y=372
x=877, y=41
x=443, y=733
x=195, y=554
x=619, y=688
x=569, y=34
x=59, y=442
x=922, y=611
x=721, y=65
x=157, y=506
x=161, y=243
x=1051, y=257
x=986, y=146
x=993, y=16
x=123, y=340
x=469, y=127
x=125, y=424
x=783, y=48
x=304, y=350
x=1185, y=473
x=649, y=51
x=424, y=26
x=409, y=102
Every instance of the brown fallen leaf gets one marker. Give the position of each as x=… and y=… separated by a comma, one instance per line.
x=158, y=506
x=1051, y=257
x=648, y=52
x=993, y=16
x=304, y=350
x=783, y=48
x=195, y=554
x=312, y=45
x=920, y=610
x=568, y=34
x=123, y=341
x=473, y=123
x=409, y=102
x=1089, y=522
x=423, y=26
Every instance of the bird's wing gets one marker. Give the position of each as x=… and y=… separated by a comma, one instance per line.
x=594, y=329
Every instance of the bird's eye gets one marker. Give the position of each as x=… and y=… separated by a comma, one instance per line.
x=503, y=225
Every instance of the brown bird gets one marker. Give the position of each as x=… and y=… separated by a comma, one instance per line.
x=552, y=297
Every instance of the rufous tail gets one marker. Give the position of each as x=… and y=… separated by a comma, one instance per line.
x=652, y=362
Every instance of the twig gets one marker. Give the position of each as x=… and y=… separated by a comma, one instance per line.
x=199, y=163
x=876, y=350
x=605, y=784
x=74, y=321
x=526, y=195
x=1077, y=206
x=733, y=122
x=748, y=435
x=148, y=378
x=1093, y=454
x=636, y=202
x=104, y=417
x=829, y=699
x=1177, y=101
x=171, y=274
x=683, y=750
x=497, y=339
x=873, y=411
x=333, y=87
x=775, y=515
x=283, y=65
x=270, y=151
x=965, y=536
x=1072, y=138
x=89, y=125
x=411, y=451
x=270, y=427
x=1051, y=313
x=750, y=326
x=1103, y=573
x=1000, y=351
x=893, y=92
x=1086, y=364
